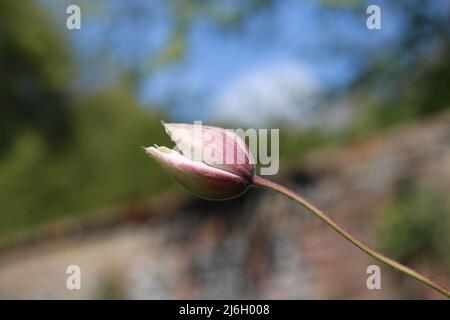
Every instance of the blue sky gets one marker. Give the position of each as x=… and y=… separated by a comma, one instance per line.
x=294, y=34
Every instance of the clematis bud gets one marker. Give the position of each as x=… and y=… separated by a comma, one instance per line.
x=211, y=162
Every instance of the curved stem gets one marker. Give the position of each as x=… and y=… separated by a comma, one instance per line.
x=258, y=181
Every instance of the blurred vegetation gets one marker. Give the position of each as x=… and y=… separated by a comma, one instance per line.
x=415, y=227
x=66, y=153
x=112, y=288
x=97, y=161
x=410, y=78
x=34, y=73
x=102, y=165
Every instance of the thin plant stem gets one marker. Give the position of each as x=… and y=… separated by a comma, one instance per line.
x=258, y=181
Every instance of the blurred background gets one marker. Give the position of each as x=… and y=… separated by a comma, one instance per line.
x=364, y=134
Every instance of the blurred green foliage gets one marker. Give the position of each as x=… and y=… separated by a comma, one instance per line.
x=66, y=154
x=63, y=155
x=34, y=74
x=410, y=79
x=295, y=145
x=112, y=288
x=415, y=226
x=101, y=166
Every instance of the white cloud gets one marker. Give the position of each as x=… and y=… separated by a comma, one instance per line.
x=275, y=92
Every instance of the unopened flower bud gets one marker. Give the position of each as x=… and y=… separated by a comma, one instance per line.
x=211, y=162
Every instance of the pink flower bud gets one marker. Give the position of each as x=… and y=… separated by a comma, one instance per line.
x=211, y=162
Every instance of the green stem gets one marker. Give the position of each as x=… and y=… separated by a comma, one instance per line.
x=258, y=181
